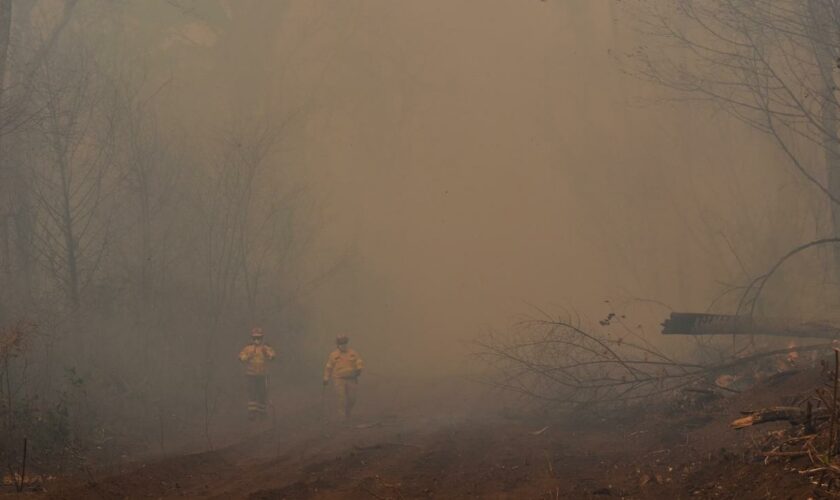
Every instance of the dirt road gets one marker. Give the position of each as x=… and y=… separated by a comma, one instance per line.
x=470, y=449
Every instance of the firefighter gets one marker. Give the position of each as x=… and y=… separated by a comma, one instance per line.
x=255, y=356
x=344, y=365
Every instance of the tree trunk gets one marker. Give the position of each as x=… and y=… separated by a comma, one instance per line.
x=5, y=36
x=826, y=54
x=71, y=280
x=16, y=209
x=5, y=211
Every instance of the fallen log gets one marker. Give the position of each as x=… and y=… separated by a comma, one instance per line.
x=793, y=414
x=724, y=324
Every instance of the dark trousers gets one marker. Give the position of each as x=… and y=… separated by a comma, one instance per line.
x=257, y=394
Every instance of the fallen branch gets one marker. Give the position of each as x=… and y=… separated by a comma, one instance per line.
x=831, y=432
x=785, y=453
x=793, y=414
x=558, y=363
x=382, y=445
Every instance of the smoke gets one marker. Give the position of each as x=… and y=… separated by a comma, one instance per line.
x=410, y=174
x=480, y=160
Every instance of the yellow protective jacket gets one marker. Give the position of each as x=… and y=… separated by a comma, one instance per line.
x=343, y=364
x=255, y=357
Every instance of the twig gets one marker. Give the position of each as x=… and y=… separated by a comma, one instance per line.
x=796, y=439
x=13, y=475
x=812, y=471
x=560, y=363
x=23, y=466
x=758, y=284
x=382, y=445
x=160, y=429
x=785, y=453
x=834, y=404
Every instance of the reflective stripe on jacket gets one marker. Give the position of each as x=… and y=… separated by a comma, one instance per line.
x=343, y=364
x=255, y=358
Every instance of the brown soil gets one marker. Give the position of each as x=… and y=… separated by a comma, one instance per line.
x=456, y=447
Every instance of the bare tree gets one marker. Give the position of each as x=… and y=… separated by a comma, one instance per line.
x=74, y=178
x=770, y=63
x=18, y=70
x=150, y=165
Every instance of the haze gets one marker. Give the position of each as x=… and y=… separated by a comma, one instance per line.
x=411, y=174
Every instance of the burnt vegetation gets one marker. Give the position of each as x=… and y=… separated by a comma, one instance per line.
x=151, y=214
x=134, y=248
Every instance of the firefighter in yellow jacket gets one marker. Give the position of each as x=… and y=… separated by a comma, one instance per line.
x=344, y=365
x=255, y=356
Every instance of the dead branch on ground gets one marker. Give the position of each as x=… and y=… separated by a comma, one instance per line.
x=561, y=363
x=810, y=442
